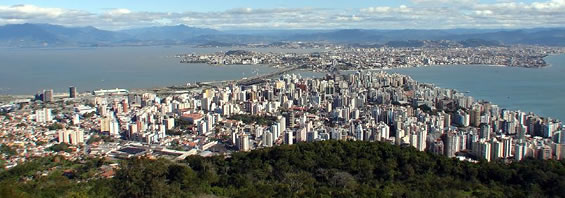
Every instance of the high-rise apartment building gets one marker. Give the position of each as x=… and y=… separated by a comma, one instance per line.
x=72, y=92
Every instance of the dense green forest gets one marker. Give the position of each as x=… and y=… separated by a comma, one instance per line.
x=320, y=169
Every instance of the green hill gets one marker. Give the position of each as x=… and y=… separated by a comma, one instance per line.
x=320, y=169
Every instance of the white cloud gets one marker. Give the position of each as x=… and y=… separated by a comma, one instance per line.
x=119, y=11
x=348, y=18
x=445, y=2
x=380, y=9
x=386, y=9
x=483, y=12
x=428, y=14
x=551, y=5
x=31, y=10
x=472, y=14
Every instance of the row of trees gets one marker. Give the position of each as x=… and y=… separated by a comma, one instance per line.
x=320, y=169
x=60, y=147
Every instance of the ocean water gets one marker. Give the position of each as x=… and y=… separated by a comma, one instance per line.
x=541, y=91
x=26, y=71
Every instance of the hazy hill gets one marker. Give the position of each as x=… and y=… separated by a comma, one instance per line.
x=37, y=35
x=549, y=37
x=26, y=35
x=34, y=35
x=178, y=33
x=342, y=36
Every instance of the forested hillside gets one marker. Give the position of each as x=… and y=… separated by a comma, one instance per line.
x=320, y=169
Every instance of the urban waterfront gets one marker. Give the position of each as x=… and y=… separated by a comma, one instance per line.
x=540, y=90
x=27, y=71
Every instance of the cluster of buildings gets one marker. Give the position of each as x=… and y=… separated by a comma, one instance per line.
x=348, y=58
x=360, y=106
x=281, y=44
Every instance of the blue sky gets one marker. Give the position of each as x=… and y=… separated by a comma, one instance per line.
x=288, y=14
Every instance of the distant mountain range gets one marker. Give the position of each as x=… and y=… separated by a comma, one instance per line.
x=171, y=33
x=47, y=35
x=35, y=35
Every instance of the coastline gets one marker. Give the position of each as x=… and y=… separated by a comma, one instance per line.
x=504, y=92
x=307, y=70
x=176, y=89
x=277, y=66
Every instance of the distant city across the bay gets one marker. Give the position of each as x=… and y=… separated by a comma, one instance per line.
x=283, y=98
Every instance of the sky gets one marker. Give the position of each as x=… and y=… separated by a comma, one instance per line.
x=288, y=14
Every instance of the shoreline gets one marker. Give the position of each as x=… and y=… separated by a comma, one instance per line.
x=278, y=67
x=172, y=90
x=299, y=69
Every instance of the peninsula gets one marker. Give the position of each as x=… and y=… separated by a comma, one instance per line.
x=354, y=58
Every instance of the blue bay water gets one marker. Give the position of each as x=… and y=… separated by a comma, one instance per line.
x=541, y=91
x=26, y=71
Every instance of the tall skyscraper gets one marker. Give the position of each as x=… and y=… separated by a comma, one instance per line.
x=484, y=150
x=476, y=117
x=485, y=131
x=169, y=123
x=243, y=142
x=48, y=95
x=105, y=124
x=561, y=137
x=384, y=131
x=114, y=127
x=202, y=128
x=288, y=137
x=125, y=105
x=506, y=146
x=497, y=149
x=73, y=137
x=72, y=92
x=451, y=143
x=359, y=133
x=421, y=138
x=301, y=135
x=268, y=139
x=519, y=151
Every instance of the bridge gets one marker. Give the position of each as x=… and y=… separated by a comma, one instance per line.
x=261, y=78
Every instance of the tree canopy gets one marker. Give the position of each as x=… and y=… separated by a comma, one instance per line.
x=60, y=147
x=319, y=169
x=258, y=119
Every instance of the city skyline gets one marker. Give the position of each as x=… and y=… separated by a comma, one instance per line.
x=283, y=98
x=230, y=15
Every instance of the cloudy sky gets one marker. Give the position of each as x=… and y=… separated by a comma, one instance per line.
x=288, y=14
